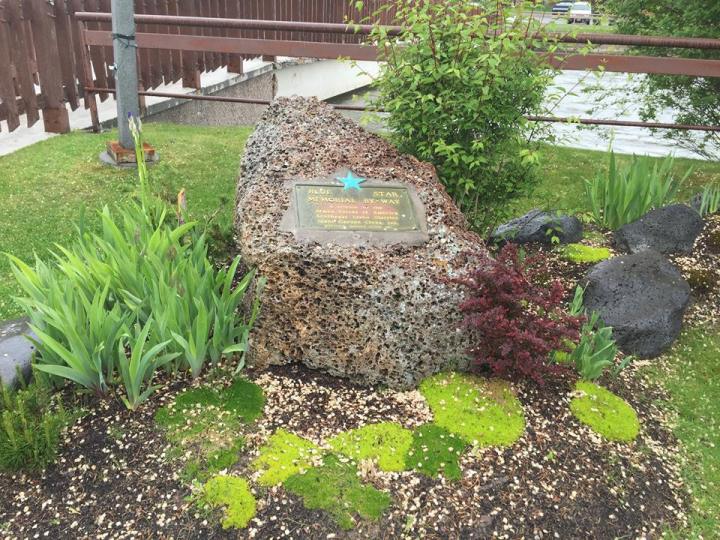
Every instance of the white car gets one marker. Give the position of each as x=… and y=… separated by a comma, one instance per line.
x=580, y=12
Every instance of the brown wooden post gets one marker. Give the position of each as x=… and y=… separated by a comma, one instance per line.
x=90, y=96
x=235, y=62
x=55, y=114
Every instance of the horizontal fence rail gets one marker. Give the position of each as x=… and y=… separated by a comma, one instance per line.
x=65, y=48
x=362, y=108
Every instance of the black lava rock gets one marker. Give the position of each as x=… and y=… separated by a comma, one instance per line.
x=671, y=229
x=538, y=226
x=643, y=297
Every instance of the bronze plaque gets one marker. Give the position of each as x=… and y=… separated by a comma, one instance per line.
x=368, y=208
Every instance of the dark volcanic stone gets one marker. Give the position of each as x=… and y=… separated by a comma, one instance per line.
x=643, y=297
x=671, y=229
x=15, y=352
x=373, y=313
x=534, y=227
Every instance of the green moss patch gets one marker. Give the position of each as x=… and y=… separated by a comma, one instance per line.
x=434, y=451
x=233, y=494
x=207, y=424
x=483, y=412
x=605, y=413
x=203, y=466
x=284, y=455
x=243, y=398
x=335, y=488
x=388, y=443
x=580, y=253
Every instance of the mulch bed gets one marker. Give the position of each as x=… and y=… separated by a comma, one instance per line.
x=112, y=479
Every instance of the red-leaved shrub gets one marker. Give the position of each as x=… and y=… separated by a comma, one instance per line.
x=515, y=321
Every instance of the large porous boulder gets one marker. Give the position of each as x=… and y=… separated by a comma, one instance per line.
x=643, y=297
x=539, y=227
x=16, y=352
x=373, y=307
x=671, y=229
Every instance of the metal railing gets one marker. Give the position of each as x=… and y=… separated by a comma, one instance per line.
x=361, y=51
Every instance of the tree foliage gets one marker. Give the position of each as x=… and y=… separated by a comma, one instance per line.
x=696, y=100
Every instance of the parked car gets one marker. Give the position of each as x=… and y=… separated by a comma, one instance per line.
x=561, y=9
x=580, y=12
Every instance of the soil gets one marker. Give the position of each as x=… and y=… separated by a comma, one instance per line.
x=112, y=479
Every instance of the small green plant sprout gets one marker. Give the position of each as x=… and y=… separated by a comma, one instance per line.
x=234, y=495
x=284, y=455
x=387, y=443
x=623, y=195
x=604, y=412
x=436, y=451
x=334, y=487
x=479, y=411
x=710, y=199
x=582, y=254
x=596, y=350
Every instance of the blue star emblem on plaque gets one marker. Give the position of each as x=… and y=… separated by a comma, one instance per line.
x=350, y=181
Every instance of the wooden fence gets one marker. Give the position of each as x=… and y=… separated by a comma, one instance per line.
x=48, y=56
x=42, y=49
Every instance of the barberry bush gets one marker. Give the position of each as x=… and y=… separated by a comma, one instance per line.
x=516, y=318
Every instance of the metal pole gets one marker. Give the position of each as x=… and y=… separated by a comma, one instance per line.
x=126, y=78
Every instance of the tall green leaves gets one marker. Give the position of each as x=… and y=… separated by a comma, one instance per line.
x=457, y=84
x=135, y=296
x=627, y=193
x=710, y=199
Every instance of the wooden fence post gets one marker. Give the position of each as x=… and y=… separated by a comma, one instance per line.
x=55, y=114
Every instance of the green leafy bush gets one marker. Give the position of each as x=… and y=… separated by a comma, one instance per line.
x=32, y=419
x=457, y=83
x=625, y=194
x=137, y=295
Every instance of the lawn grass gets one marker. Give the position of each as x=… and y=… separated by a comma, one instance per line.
x=44, y=187
x=691, y=375
x=563, y=172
